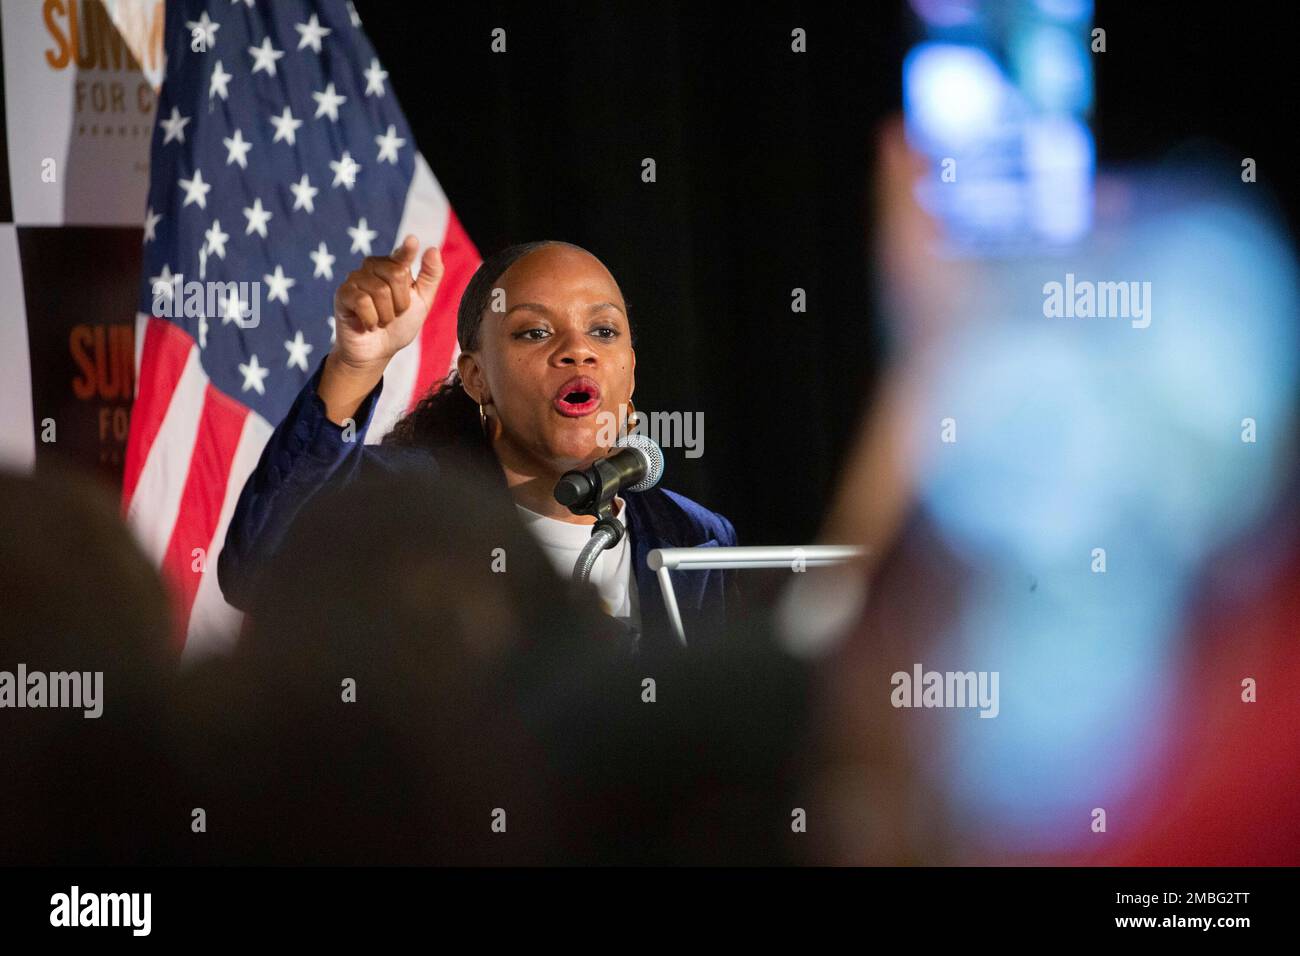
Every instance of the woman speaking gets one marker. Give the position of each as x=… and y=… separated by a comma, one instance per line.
x=546, y=359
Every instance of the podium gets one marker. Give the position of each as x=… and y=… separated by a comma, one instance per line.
x=663, y=560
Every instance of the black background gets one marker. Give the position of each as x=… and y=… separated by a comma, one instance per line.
x=764, y=163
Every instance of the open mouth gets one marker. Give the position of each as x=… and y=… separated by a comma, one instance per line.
x=577, y=397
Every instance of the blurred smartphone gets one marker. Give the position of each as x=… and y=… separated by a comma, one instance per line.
x=998, y=94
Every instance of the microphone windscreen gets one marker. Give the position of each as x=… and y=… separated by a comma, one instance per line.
x=654, y=457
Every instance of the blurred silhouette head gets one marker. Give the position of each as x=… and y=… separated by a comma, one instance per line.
x=78, y=591
x=379, y=709
x=79, y=596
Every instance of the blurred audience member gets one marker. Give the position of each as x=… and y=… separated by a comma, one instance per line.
x=79, y=597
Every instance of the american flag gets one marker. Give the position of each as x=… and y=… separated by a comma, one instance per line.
x=280, y=156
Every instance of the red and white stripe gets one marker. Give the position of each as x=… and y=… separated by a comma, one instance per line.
x=192, y=447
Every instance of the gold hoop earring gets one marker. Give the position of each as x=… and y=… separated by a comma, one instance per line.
x=632, y=420
x=483, y=422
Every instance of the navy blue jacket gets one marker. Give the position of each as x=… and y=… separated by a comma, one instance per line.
x=307, y=451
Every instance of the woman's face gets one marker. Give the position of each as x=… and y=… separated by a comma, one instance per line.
x=556, y=366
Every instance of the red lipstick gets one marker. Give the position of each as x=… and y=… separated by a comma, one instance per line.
x=577, y=397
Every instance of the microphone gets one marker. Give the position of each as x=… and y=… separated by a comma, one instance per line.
x=637, y=465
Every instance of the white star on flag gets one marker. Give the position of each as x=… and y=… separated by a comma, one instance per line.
x=196, y=190
x=303, y=194
x=362, y=236
x=389, y=144
x=174, y=127
x=161, y=284
x=279, y=284
x=206, y=27
x=237, y=149
x=330, y=320
x=257, y=218
x=328, y=103
x=254, y=375
x=345, y=170
x=216, y=239
x=299, y=349
x=285, y=127
x=323, y=261
x=264, y=56
x=375, y=77
x=220, y=80
x=233, y=309
x=151, y=220
x=312, y=33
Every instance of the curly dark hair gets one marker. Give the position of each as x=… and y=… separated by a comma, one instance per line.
x=446, y=417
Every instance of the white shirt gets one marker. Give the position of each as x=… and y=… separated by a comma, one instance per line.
x=563, y=541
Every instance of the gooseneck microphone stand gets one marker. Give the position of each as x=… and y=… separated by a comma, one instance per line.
x=636, y=465
x=582, y=495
